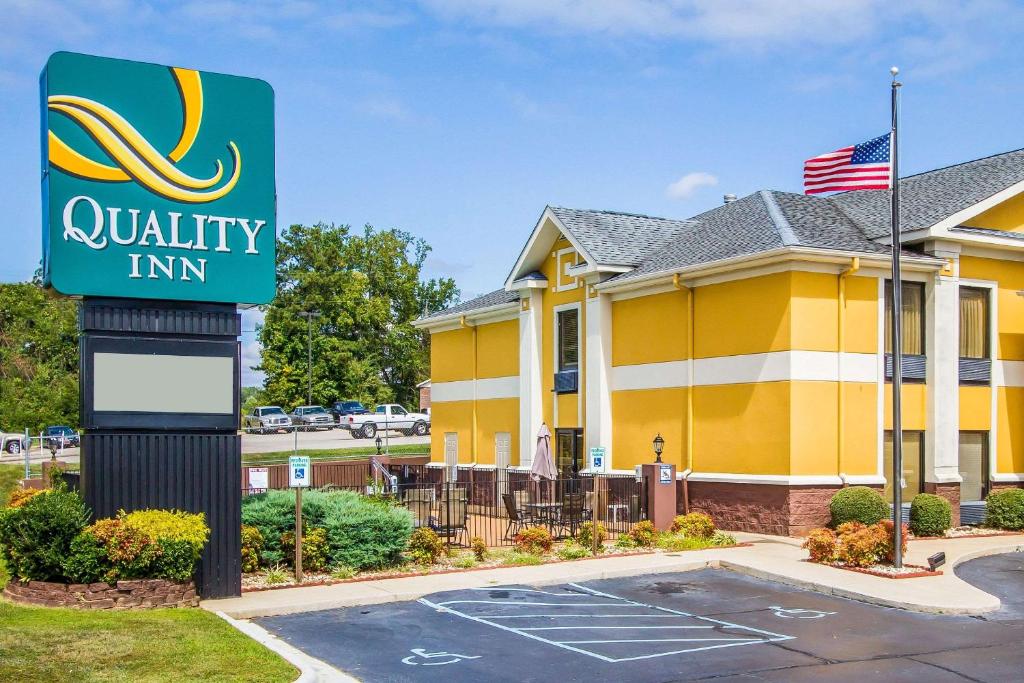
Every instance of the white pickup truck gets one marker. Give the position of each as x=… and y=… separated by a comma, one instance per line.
x=12, y=443
x=385, y=417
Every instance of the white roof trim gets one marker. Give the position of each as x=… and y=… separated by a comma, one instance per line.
x=534, y=251
x=744, y=261
x=471, y=316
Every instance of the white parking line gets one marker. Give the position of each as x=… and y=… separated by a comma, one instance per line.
x=610, y=650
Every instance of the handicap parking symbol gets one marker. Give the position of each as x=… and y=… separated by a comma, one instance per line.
x=795, y=613
x=448, y=657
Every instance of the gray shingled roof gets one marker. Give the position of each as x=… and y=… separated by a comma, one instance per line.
x=768, y=220
x=927, y=198
x=613, y=238
x=756, y=223
x=495, y=298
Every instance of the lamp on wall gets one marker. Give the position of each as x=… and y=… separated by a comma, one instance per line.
x=659, y=445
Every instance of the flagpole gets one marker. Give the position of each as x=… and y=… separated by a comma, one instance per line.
x=897, y=337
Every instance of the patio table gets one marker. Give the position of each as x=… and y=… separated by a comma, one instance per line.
x=546, y=513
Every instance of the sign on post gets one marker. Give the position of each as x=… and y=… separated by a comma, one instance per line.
x=665, y=474
x=158, y=182
x=259, y=479
x=299, y=472
x=596, y=461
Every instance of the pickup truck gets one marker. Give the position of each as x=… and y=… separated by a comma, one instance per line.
x=12, y=443
x=385, y=417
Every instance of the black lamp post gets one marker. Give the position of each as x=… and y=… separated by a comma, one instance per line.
x=659, y=446
x=379, y=442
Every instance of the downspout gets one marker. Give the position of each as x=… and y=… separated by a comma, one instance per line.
x=688, y=470
x=840, y=403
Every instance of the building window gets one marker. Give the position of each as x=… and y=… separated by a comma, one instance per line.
x=973, y=457
x=912, y=326
x=568, y=340
x=913, y=464
x=973, y=323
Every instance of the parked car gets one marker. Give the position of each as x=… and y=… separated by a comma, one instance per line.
x=61, y=437
x=12, y=443
x=385, y=417
x=312, y=417
x=342, y=409
x=268, y=419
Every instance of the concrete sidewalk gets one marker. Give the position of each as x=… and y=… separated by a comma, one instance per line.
x=769, y=557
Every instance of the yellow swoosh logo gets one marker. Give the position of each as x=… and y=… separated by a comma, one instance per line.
x=135, y=157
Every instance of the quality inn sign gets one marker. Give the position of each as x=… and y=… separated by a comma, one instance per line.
x=158, y=182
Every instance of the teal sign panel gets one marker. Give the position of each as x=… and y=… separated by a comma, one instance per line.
x=158, y=182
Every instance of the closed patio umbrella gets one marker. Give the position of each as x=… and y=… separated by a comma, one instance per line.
x=543, y=464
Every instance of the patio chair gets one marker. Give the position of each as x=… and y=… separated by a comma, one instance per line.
x=451, y=520
x=517, y=518
x=570, y=515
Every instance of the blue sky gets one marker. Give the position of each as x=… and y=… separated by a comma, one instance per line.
x=458, y=120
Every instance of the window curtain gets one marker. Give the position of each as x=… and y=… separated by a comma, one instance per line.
x=912, y=319
x=973, y=323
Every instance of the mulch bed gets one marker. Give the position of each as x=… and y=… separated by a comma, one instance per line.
x=923, y=571
x=379, y=576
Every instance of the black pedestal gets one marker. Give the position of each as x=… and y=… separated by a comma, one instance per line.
x=139, y=459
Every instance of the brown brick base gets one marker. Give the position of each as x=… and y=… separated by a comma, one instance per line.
x=140, y=594
x=762, y=508
x=950, y=492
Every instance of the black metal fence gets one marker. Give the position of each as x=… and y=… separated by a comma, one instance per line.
x=494, y=504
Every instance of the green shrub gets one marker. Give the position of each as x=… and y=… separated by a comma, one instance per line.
x=694, y=525
x=252, y=547
x=87, y=560
x=720, y=539
x=364, y=535
x=314, y=549
x=276, y=574
x=425, y=546
x=36, y=537
x=571, y=550
x=534, y=540
x=479, y=548
x=930, y=515
x=1005, y=510
x=624, y=541
x=466, y=561
x=360, y=533
x=585, y=536
x=341, y=572
x=858, y=504
x=520, y=559
x=643, y=534
x=675, y=542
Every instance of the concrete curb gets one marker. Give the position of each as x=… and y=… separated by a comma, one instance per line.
x=311, y=670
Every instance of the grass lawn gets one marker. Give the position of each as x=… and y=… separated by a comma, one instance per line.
x=41, y=644
x=356, y=452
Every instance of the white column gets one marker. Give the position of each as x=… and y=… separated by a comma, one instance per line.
x=942, y=344
x=599, y=369
x=530, y=406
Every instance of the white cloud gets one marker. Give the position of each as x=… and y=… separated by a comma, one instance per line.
x=690, y=183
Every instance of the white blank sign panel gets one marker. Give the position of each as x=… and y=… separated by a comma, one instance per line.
x=152, y=383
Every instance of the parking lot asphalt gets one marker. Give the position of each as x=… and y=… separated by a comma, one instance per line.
x=666, y=627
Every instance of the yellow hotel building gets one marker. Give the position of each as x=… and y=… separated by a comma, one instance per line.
x=753, y=338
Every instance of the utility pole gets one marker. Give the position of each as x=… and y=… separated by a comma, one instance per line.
x=309, y=315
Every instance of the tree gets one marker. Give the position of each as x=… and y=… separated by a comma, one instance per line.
x=38, y=358
x=367, y=289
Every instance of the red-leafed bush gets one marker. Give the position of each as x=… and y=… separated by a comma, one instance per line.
x=821, y=543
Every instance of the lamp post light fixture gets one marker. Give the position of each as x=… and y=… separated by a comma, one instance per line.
x=379, y=442
x=659, y=446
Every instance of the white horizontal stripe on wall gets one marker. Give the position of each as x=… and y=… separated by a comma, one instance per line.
x=777, y=366
x=650, y=375
x=492, y=387
x=1008, y=373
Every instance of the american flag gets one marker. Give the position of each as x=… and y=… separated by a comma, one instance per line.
x=859, y=167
